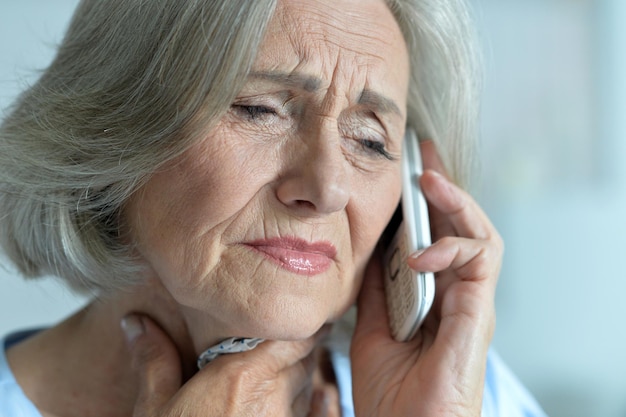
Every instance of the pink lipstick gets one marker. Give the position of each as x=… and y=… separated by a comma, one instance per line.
x=296, y=255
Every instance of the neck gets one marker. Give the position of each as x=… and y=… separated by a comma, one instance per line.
x=89, y=351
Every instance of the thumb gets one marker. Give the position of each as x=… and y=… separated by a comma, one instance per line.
x=156, y=362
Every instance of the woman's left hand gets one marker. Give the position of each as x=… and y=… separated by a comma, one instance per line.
x=440, y=372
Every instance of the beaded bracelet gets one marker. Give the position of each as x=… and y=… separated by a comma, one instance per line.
x=232, y=345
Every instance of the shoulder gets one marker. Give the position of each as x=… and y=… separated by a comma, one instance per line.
x=14, y=403
x=504, y=394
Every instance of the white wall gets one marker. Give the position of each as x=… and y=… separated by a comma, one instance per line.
x=29, y=30
x=554, y=165
x=554, y=156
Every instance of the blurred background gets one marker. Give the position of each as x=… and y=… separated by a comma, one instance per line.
x=553, y=181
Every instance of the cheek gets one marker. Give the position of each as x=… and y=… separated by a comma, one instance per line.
x=370, y=217
x=208, y=185
x=373, y=204
x=177, y=215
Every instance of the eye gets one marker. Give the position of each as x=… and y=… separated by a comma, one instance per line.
x=376, y=147
x=254, y=112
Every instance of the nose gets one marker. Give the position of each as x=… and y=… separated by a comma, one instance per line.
x=316, y=179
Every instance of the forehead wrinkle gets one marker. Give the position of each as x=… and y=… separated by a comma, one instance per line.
x=360, y=43
x=308, y=83
x=311, y=84
x=321, y=32
x=322, y=24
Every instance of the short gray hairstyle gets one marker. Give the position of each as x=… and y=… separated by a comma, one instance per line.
x=133, y=85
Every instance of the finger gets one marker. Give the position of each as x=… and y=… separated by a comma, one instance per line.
x=325, y=402
x=325, y=399
x=471, y=259
x=454, y=206
x=301, y=406
x=467, y=322
x=278, y=368
x=331, y=398
x=319, y=404
x=273, y=356
x=298, y=380
x=465, y=331
x=440, y=224
x=431, y=159
x=156, y=361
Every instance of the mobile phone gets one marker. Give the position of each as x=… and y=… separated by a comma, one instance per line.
x=409, y=294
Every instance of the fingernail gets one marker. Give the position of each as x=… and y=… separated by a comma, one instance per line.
x=435, y=173
x=320, y=397
x=417, y=253
x=438, y=175
x=132, y=327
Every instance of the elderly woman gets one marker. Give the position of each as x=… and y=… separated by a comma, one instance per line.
x=225, y=168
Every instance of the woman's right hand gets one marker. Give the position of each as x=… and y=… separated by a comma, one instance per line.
x=274, y=379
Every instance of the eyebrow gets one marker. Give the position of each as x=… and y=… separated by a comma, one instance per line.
x=379, y=102
x=309, y=83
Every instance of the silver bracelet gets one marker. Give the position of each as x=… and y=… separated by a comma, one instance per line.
x=232, y=345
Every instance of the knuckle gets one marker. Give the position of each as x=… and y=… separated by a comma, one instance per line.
x=241, y=384
x=241, y=375
x=447, y=242
x=481, y=262
x=498, y=242
x=236, y=370
x=477, y=268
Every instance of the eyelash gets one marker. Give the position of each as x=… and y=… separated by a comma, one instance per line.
x=377, y=147
x=254, y=112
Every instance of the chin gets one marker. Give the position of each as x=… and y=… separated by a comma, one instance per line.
x=304, y=328
x=292, y=324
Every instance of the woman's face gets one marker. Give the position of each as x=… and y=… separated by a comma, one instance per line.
x=263, y=229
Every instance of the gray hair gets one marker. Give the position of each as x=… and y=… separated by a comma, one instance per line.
x=446, y=78
x=133, y=85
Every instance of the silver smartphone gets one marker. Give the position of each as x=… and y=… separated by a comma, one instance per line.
x=409, y=294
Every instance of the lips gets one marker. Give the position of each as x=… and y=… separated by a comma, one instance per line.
x=296, y=255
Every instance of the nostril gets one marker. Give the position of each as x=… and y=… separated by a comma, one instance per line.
x=305, y=204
